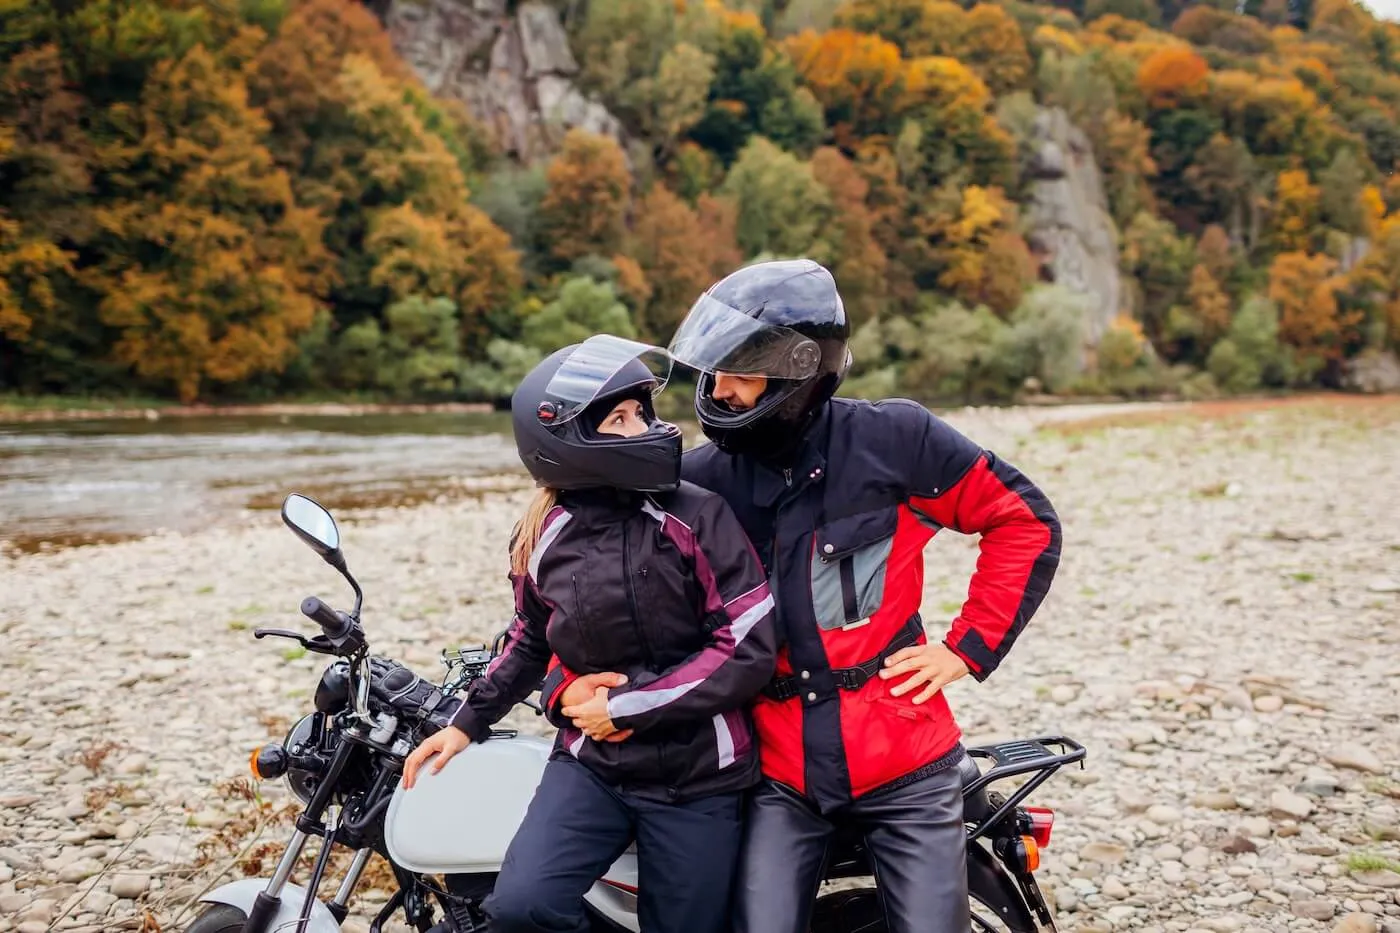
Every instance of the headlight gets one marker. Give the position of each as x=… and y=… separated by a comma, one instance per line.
x=300, y=749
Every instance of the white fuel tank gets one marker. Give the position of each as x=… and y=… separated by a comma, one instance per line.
x=462, y=819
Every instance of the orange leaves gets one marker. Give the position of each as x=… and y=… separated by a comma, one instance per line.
x=1310, y=319
x=1209, y=304
x=680, y=252
x=856, y=77
x=1296, y=211
x=585, y=206
x=1171, y=76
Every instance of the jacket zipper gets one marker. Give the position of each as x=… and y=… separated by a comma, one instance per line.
x=641, y=635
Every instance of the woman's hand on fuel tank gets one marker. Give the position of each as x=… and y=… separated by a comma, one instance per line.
x=592, y=718
x=445, y=743
x=932, y=664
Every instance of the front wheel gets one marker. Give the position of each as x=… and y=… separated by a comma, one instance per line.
x=858, y=910
x=218, y=918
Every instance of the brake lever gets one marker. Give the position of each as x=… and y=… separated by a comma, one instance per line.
x=319, y=644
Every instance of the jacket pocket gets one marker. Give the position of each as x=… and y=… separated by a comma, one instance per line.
x=848, y=566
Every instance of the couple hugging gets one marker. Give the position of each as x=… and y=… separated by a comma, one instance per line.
x=730, y=641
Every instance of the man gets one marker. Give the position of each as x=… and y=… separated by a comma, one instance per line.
x=840, y=497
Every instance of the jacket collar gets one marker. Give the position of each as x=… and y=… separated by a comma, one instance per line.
x=772, y=483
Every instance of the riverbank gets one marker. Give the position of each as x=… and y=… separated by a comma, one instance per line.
x=13, y=412
x=1221, y=634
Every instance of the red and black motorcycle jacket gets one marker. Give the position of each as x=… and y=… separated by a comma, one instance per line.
x=842, y=535
x=667, y=590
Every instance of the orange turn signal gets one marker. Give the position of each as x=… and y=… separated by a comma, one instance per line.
x=1032, y=856
x=268, y=762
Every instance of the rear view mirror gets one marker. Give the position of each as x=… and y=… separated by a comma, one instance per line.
x=314, y=525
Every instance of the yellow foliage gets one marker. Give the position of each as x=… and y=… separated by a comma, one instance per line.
x=1296, y=204
x=1052, y=37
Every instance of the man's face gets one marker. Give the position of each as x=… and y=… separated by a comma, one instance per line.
x=740, y=393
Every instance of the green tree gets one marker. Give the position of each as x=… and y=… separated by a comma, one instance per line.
x=783, y=209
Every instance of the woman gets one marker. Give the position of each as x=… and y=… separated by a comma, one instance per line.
x=618, y=566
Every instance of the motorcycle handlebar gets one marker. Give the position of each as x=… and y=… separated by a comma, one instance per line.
x=333, y=624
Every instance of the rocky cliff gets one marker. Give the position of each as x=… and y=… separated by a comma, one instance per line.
x=509, y=63
x=1069, y=228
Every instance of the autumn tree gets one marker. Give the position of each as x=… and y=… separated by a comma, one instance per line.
x=1171, y=76
x=678, y=256
x=858, y=79
x=213, y=278
x=968, y=234
x=585, y=205
x=1296, y=210
x=859, y=264
x=959, y=137
x=1223, y=176
x=1160, y=260
x=1310, y=320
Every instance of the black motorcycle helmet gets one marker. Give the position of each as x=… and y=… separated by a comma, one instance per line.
x=783, y=320
x=556, y=409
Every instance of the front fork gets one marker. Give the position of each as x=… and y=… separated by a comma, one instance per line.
x=269, y=900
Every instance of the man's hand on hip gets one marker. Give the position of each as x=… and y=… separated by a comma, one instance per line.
x=932, y=664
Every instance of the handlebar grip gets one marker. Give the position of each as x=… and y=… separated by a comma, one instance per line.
x=332, y=624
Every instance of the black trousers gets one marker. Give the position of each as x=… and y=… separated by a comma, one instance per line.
x=577, y=826
x=915, y=838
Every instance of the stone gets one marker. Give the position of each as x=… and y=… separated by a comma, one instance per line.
x=32, y=926
x=1161, y=813
x=1215, y=801
x=1377, y=879
x=1268, y=703
x=41, y=910
x=1198, y=857
x=1288, y=805
x=1256, y=827
x=1115, y=889
x=1063, y=693
x=1068, y=224
x=79, y=869
x=129, y=884
x=1237, y=845
x=1314, y=909
x=1108, y=853
x=1383, y=585
x=18, y=801
x=133, y=764
x=1355, y=923
x=1372, y=371
x=12, y=904
x=512, y=69
x=1357, y=758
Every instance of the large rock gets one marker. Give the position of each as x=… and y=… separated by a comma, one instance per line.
x=1374, y=371
x=1069, y=227
x=511, y=67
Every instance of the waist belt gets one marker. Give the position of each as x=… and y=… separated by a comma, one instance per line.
x=857, y=676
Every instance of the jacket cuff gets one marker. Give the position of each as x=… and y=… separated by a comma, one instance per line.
x=978, y=672
x=552, y=695
x=471, y=723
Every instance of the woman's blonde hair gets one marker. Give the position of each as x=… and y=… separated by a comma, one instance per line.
x=527, y=533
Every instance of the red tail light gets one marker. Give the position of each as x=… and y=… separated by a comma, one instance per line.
x=1042, y=821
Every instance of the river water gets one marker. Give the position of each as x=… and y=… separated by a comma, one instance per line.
x=72, y=482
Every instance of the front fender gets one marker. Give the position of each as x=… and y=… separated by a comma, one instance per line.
x=242, y=894
x=989, y=882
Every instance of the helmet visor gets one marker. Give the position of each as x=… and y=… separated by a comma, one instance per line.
x=717, y=338
x=589, y=372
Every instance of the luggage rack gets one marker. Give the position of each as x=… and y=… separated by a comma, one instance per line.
x=1021, y=756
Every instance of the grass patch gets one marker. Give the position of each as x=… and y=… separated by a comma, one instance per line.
x=294, y=653
x=204, y=591
x=1213, y=491
x=237, y=625
x=1303, y=576
x=1370, y=861
x=950, y=607
x=1203, y=558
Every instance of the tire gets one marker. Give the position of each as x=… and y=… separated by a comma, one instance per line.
x=218, y=918
x=858, y=910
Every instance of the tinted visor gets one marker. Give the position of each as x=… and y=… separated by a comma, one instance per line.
x=717, y=338
x=590, y=371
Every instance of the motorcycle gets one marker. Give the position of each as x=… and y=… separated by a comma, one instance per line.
x=445, y=840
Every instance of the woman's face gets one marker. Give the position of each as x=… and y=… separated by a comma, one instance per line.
x=625, y=420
